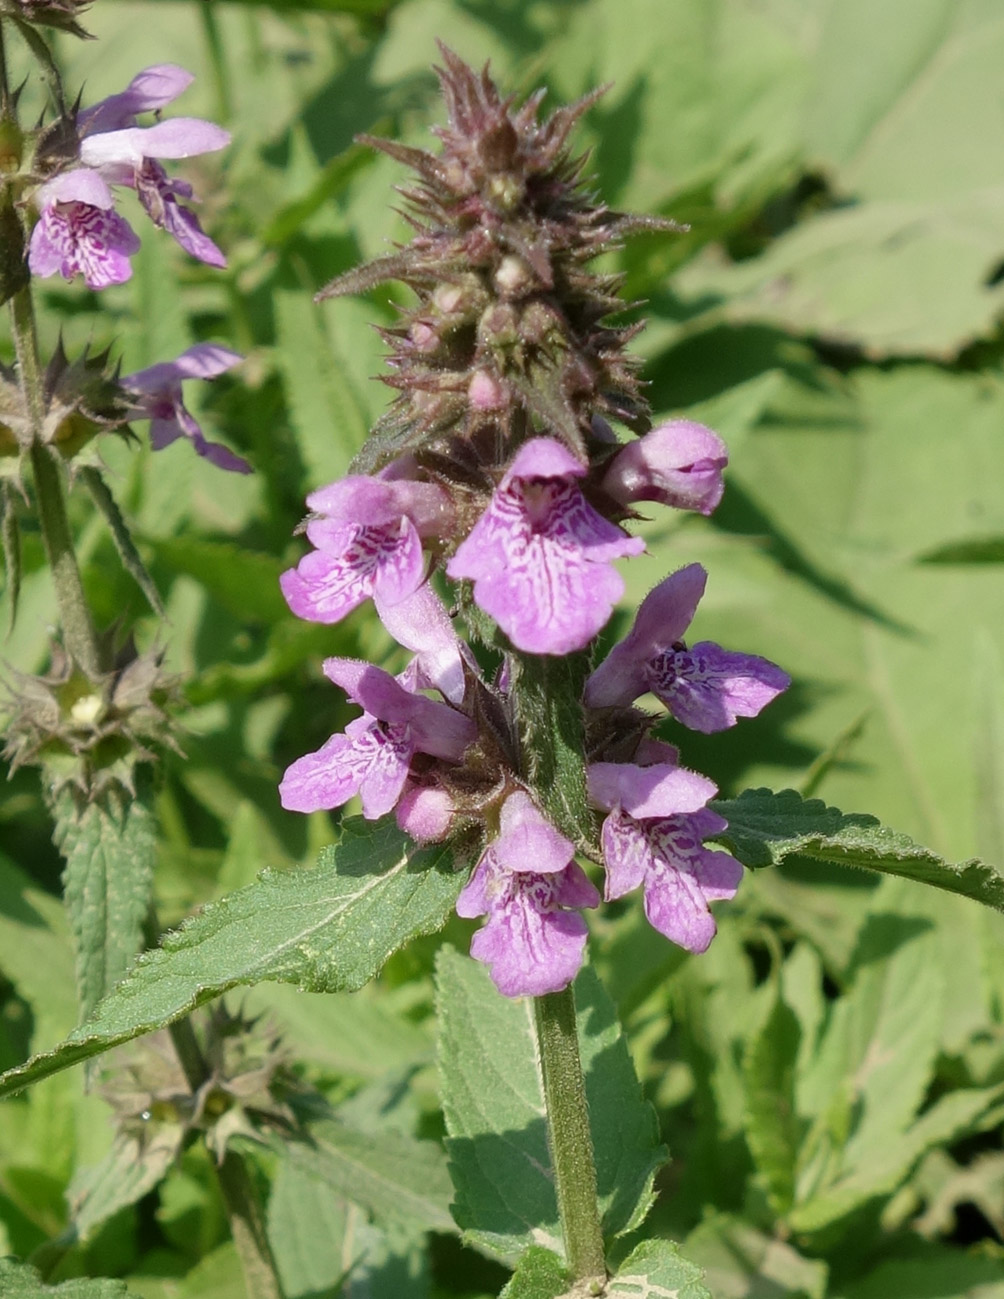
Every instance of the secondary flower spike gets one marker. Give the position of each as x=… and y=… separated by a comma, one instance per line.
x=540, y=555
x=157, y=397
x=77, y=231
x=373, y=755
x=524, y=883
x=705, y=687
x=653, y=837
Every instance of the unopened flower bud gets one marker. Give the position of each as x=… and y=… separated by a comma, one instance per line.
x=513, y=277
x=425, y=813
x=539, y=323
x=485, y=392
x=423, y=336
x=499, y=327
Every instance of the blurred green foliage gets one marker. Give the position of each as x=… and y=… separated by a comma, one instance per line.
x=828, y=1076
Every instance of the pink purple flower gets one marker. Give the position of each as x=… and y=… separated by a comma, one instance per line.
x=77, y=231
x=679, y=463
x=705, y=687
x=158, y=397
x=653, y=837
x=524, y=883
x=373, y=755
x=540, y=555
x=367, y=534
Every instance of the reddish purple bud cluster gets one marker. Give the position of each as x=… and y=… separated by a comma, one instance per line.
x=496, y=468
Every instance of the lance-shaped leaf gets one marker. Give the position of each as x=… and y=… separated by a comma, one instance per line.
x=765, y=828
x=109, y=847
x=326, y=930
x=493, y=1100
x=132, y=561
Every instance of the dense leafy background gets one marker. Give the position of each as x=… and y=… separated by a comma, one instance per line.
x=829, y=1076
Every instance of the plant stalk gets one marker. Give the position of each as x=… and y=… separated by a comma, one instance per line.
x=240, y=1195
x=570, y=1139
x=78, y=630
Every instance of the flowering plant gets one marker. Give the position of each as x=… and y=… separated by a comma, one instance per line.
x=506, y=680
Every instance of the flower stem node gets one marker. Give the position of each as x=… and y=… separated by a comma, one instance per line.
x=90, y=735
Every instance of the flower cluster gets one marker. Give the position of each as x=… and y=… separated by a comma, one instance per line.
x=496, y=474
x=84, y=157
x=78, y=231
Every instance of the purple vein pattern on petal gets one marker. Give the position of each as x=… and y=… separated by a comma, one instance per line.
x=707, y=688
x=540, y=555
x=79, y=239
x=368, y=543
x=679, y=874
x=370, y=759
x=530, y=942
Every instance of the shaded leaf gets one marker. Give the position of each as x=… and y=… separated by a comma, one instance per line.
x=245, y=582
x=741, y=1262
x=322, y=1242
x=392, y=1176
x=772, y=1126
x=132, y=561
x=493, y=1100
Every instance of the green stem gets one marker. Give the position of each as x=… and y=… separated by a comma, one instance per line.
x=217, y=59
x=240, y=1194
x=78, y=630
x=570, y=1138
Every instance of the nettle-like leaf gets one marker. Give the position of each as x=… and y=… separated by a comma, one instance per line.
x=766, y=827
x=19, y=1281
x=326, y=930
x=493, y=1100
x=657, y=1270
x=109, y=846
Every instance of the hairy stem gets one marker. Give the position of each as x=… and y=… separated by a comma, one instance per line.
x=237, y=1186
x=570, y=1138
x=78, y=630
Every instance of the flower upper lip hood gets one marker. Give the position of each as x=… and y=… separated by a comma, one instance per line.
x=705, y=687
x=540, y=555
